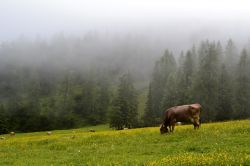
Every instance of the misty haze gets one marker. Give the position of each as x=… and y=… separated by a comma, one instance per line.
x=90, y=82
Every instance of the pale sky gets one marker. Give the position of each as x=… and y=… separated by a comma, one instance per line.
x=47, y=17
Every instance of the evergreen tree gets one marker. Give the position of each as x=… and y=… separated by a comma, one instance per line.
x=220, y=52
x=162, y=70
x=231, y=55
x=23, y=117
x=181, y=59
x=188, y=68
x=225, y=109
x=149, y=114
x=185, y=76
x=195, y=57
x=103, y=101
x=64, y=104
x=89, y=100
x=124, y=112
x=242, y=93
x=205, y=89
x=3, y=120
x=170, y=97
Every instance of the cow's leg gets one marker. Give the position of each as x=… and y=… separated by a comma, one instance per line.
x=196, y=123
x=173, y=127
x=169, y=126
x=172, y=124
x=192, y=121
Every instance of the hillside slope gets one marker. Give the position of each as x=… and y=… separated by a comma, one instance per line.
x=226, y=143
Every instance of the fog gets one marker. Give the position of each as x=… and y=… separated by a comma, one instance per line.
x=179, y=21
x=132, y=34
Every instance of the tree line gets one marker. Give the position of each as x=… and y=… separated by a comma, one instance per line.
x=216, y=78
x=35, y=98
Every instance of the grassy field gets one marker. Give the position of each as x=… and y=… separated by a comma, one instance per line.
x=225, y=143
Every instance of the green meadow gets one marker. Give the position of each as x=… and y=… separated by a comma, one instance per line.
x=224, y=143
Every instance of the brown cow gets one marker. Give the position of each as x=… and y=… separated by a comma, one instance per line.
x=183, y=113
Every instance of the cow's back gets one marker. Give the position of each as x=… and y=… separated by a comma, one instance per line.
x=181, y=113
x=184, y=112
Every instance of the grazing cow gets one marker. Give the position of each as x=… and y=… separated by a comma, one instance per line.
x=183, y=113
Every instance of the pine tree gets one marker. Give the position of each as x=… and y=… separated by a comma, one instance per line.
x=220, y=53
x=3, y=120
x=179, y=79
x=103, y=101
x=64, y=103
x=87, y=104
x=149, y=114
x=225, y=108
x=195, y=57
x=242, y=93
x=231, y=55
x=170, y=98
x=124, y=113
x=205, y=89
x=181, y=59
x=184, y=78
x=90, y=105
x=162, y=70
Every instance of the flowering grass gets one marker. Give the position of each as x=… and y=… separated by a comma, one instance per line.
x=226, y=143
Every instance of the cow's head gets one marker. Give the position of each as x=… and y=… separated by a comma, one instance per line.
x=163, y=129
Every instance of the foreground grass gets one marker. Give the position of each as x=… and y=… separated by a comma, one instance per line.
x=225, y=143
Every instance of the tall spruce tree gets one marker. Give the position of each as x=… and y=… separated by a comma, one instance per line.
x=225, y=109
x=170, y=97
x=220, y=52
x=149, y=114
x=103, y=101
x=64, y=103
x=88, y=100
x=3, y=120
x=124, y=113
x=163, y=68
x=231, y=56
x=205, y=88
x=184, y=78
x=242, y=89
